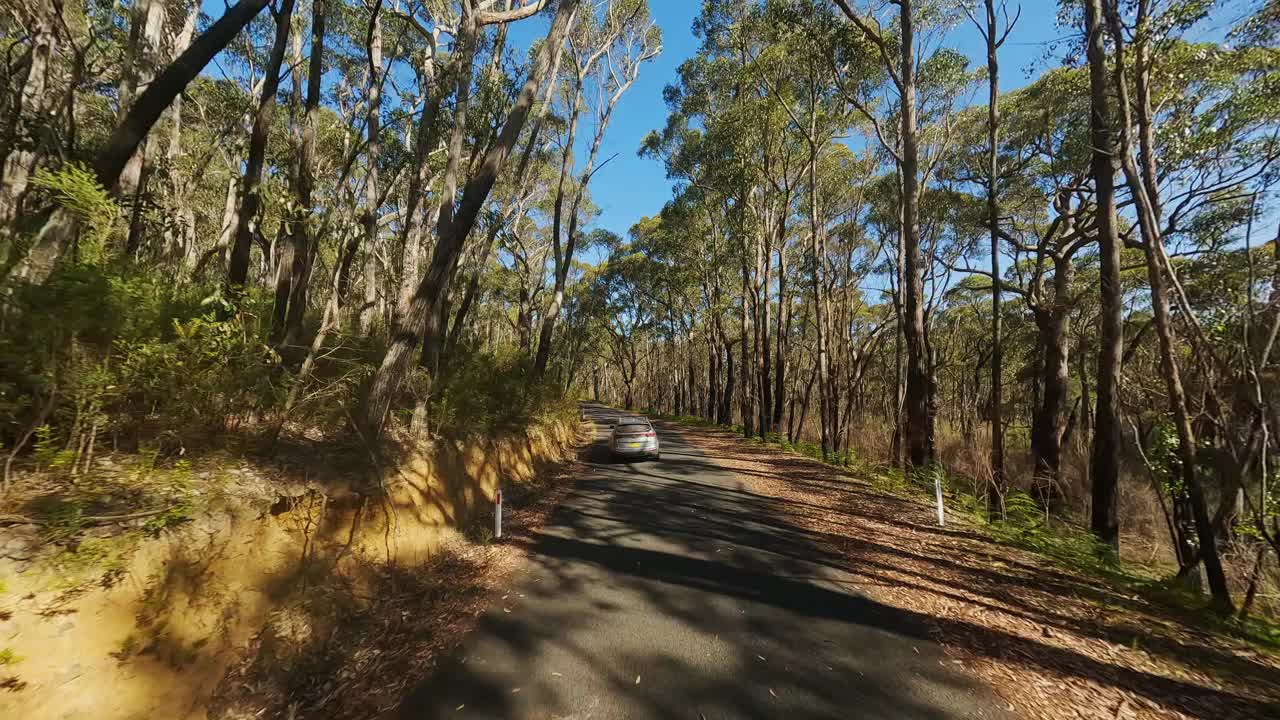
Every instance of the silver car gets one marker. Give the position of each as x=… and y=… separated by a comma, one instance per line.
x=634, y=437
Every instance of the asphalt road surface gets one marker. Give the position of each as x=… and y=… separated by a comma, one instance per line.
x=666, y=590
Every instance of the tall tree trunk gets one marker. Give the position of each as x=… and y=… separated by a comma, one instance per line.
x=373, y=124
x=747, y=388
x=713, y=376
x=146, y=110
x=182, y=236
x=180, y=45
x=764, y=362
x=472, y=290
x=305, y=243
x=514, y=206
x=726, y=400
x=899, y=358
x=251, y=188
x=691, y=375
x=20, y=162
x=466, y=49
x=564, y=261
x=1052, y=324
x=424, y=141
x=995, y=490
x=285, y=240
x=559, y=247
x=784, y=327
x=139, y=63
x=919, y=411
x=1105, y=466
x=1145, y=191
x=133, y=240
x=423, y=308
x=294, y=277
x=818, y=252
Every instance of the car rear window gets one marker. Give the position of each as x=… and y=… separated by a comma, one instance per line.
x=633, y=427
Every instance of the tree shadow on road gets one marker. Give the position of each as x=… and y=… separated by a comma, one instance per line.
x=998, y=603
x=753, y=577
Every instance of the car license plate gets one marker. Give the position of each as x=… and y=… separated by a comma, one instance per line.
x=633, y=445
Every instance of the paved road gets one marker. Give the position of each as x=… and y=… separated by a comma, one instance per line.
x=666, y=590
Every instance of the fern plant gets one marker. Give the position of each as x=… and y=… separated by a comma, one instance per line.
x=75, y=187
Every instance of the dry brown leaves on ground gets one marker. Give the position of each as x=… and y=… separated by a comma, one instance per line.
x=1052, y=643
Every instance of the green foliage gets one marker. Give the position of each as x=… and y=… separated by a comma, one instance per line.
x=49, y=452
x=1166, y=463
x=1021, y=510
x=891, y=481
x=1025, y=526
x=76, y=188
x=127, y=352
x=486, y=392
x=202, y=373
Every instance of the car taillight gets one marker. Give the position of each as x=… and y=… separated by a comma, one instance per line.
x=651, y=434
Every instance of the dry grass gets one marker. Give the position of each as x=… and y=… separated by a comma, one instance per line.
x=1145, y=535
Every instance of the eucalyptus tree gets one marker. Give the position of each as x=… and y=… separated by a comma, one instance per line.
x=49, y=244
x=994, y=36
x=1105, y=471
x=297, y=249
x=1046, y=221
x=806, y=93
x=250, y=200
x=898, y=55
x=607, y=50
x=704, y=148
x=623, y=290
x=420, y=320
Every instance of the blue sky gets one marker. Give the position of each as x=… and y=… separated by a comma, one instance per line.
x=631, y=187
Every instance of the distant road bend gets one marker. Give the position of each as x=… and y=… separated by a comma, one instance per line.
x=666, y=590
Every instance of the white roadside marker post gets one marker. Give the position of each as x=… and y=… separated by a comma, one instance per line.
x=497, y=515
x=937, y=485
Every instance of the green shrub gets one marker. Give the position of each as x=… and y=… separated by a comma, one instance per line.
x=1024, y=525
x=485, y=392
x=203, y=373
x=76, y=188
x=125, y=354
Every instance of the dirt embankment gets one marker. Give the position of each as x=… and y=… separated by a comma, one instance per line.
x=155, y=634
